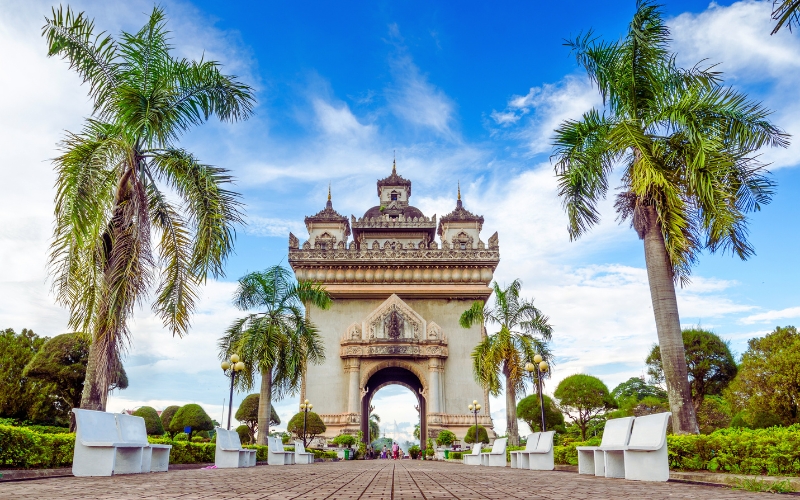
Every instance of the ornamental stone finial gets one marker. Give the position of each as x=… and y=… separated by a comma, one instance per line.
x=329, y=191
x=459, y=190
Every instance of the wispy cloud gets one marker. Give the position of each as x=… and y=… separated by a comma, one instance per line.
x=768, y=316
x=265, y=226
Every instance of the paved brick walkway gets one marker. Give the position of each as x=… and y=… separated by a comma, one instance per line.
x=378, y=479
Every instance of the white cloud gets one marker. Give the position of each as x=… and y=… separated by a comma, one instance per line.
x=766, y=317
x=265, y=226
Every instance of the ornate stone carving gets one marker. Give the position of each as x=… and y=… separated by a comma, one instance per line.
x=353, y=350
x=393, y=317
x=494, y=242
x=435, y=331
x=353, y=332
x=294, y=243
x=462, y=241
x=393, y=349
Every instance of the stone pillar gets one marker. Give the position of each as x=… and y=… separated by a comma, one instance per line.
x=353, y=367
x=434, y=385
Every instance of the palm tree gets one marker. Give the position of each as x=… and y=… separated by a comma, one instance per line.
x=374, y=426
x=787, y=13
x=689, y=177
x=508, y=350
x=277, y=342
x=112, y=183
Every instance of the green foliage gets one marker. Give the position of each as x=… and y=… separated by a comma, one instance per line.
x=374, y=426
x=344, y=440
x=456, y=455
x=529, y=410
x=244, y=434
x=415, y=452
x=362, y=446
x=768, y=382
x=483, y=436
x=24, y=448
x=754, y=484
x=191, y=415
x=151, y=420
x=582, y=398
x=181, y=436
x=638, y=388
x=314, y=426
x=756, y=420
x=21, y=397
x=445, y=438
x=430, y=449
x=709, y=361
x=167, y=415
x=248, y=415
x=714, y=413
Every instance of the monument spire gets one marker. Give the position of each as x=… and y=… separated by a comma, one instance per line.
x=394, y=163
x=330, y=203
x=458, y=201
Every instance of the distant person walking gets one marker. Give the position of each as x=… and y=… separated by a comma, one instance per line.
x=383, y=453
x=395, y=451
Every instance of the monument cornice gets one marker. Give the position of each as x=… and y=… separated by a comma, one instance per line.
x=398, y=348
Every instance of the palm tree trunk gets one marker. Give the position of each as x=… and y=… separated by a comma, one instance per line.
x=668, y=327
x=264, y=407
x=512, y=430
x=92, y=397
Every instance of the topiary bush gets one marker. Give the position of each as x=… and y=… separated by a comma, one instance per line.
x=166, y=417
x=314, y=426
x=244, y=434
x=24, y=448
x=483, y=436
x=191, y=415
x=344, y=440
x=151, y=420
x=181, y=436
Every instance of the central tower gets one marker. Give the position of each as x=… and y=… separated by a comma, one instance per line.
x=398, y=296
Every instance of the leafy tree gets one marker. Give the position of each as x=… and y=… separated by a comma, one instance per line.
x=60, y=364
x=582, y=398
x=245, y=434
x=507, y=351
x=637, y=388
x=786, y=13
x=768, y=382
x=344, y=440
x=686, y=145
x=649, y=406
x=17, y=394
x=483, y=436
x=277, y=342
x=756, y=420
x=445, y=438
x=116, y=180
x=313, y=428
x=529, y=410
x=191, y=415
x=714, y=413
x=167, y=415
x=709, y=361
x=151, y=420
x=248, y=415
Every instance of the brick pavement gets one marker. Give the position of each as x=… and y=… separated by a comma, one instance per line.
x=378, y=479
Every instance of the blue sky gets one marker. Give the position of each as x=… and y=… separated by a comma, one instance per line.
x=465, y=91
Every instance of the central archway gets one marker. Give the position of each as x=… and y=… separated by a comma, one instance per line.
x=388, y=376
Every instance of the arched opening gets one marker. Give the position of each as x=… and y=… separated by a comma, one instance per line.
x=388, y=376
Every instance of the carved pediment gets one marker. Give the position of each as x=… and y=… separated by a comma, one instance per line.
x=435, y=332
x=394, y=320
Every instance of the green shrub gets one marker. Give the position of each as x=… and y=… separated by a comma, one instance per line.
x=199, y=439
x=414, y=451
x=151, y=420
x=483, y=437
x=567, y=454
x=244, y=434
x=344, y=440
x=48, y=429
x=181, y=436
x=24, y=448
x=191, y=415
x=445, y=438
x=166, y=416
x=509, y=449
x=456, y=455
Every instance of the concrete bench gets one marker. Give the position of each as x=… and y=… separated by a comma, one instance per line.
x=496, y=457
x=541, y=458
x=519, y=459
x=99, y=450
x=133, y=432
x=229, y=453
x=473, y=458
x=276, y=455
x=301, y=456
x=646, y=454
x=592, y=459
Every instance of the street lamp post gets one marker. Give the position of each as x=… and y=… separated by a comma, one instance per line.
x=475, y=408
x=541, y=367
x=305, y=406
x=230, y=368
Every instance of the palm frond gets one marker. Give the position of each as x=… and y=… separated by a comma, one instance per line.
x=786, y=13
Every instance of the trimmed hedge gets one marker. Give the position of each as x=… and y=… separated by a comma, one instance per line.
x=24, y=448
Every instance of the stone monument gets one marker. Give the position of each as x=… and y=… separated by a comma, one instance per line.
x=398, y=296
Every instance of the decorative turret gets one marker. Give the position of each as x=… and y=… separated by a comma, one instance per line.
x=328, y=229
x=460, y=229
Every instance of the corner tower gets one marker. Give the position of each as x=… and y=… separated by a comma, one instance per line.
x=398, y=296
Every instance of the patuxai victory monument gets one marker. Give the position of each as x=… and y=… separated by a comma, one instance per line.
x=398, y=295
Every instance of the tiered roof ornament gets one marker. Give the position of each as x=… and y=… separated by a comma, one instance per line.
x=394, y=180
x=460, y=214
x=328, y=214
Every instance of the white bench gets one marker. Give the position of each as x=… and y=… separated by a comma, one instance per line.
x=473, y=458
x=133, y=432
x=300, y=454
x=646, y=456
x=276, y=454
x=99, y=450
x=229, y=454
x=592, y=460
x=496, y=457
x=519, y=459
x=541, y=458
